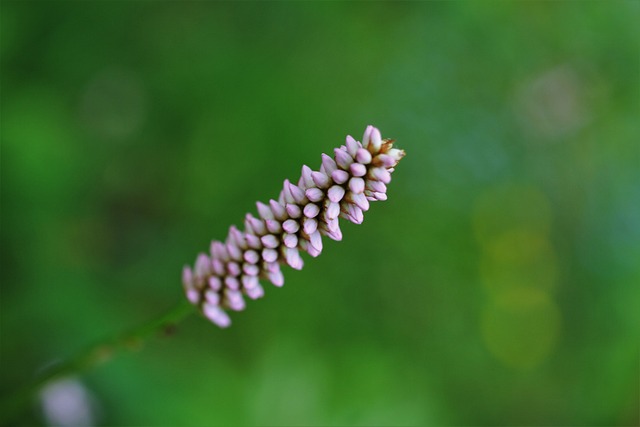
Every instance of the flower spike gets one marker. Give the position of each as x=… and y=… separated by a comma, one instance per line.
x=344, y=186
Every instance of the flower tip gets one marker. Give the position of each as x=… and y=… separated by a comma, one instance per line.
x=187, y=276
x=255, y=292
x=343, y=159
x=376, y=140
x=277, y=278
x=193, y=296
x=203, y=264
x=216, y=315
x=316, y=241
x=352, y=146
x=396, y=154
x=264, y=211
x=328, y=165
x=313, y=251
x=297, y=193
x=294, y=259
x=367, y=136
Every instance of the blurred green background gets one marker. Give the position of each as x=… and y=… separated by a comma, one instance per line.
x=497, y=286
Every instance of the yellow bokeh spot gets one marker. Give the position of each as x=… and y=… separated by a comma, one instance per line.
x=520, y=326
x=520, y=257
x=508, y=207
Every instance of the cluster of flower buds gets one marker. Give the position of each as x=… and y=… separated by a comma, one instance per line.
x=305, y=211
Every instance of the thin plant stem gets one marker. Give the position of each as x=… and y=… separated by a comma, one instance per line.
x=92, y=356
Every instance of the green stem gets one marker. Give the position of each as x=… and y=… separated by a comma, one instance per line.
x=13, y=405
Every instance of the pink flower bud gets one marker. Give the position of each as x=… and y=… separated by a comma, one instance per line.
x=343, y=159
x=366, y=138
x=395, y=154
x=333, y=225
x=311, y=250
x=250, y=269
x=278, y=210
x=212, y=297
x=358, y=169
x=269, y=255
x=333, y=210
x=251, y=257
x=293, y=259
x=264, y=211
x=328, y=164
x=290, y=240
x=218, y=267
x=316, y=240
x=232, y=282
x=306, y=177
x=311, y=210
x=291, y=226
x=363, y=156
x=234, y=300
x=314, y=194
x=255, y=293
x=297, y=193
x=237, y=238
x=257, y=226
x=219, y=251
x=352, y=146
x=233, y=268
x=340, y=176
x=352, y=213
x=277, y=278
x=286, y=192
x=270, y=241
x=249, y=282
x=187, y=277
x=294, y=211
x=356, y=185
x=377, y=186
x=215, y=283
x=335, y=193
x=234, y=251
x=253, y=241
x=360, y=200
x=384, y=160
x=380, y=174
x=309, y=225
x=375, y=142
x=271, y=267
x=273, y=226
x=203, y=265
x=320, y=179
x=216, y=315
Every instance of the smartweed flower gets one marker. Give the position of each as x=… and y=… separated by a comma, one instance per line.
x=305, y=211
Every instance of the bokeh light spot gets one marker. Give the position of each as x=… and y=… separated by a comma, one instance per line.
x=67, y=402
x=554, y=104
x=519, y=257
x=510, y=206
x=520, y=327
x=113, y=106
